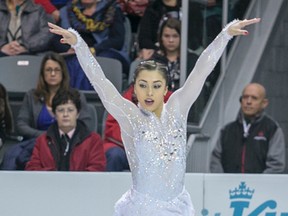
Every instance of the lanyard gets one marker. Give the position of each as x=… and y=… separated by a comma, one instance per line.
x=246, y=128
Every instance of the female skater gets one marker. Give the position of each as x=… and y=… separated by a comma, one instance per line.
x=153, y=133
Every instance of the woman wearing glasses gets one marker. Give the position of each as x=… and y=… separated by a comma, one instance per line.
x=35, y=114
x=153, y=133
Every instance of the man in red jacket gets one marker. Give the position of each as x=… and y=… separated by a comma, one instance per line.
x=113, y=146
x=68, y=145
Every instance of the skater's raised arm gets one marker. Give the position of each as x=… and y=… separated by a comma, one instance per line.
x=115, y=104
x=191, y=89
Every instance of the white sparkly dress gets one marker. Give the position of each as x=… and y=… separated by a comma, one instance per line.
x=156, y=147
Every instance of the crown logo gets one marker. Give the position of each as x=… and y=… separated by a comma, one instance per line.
x=242, y=192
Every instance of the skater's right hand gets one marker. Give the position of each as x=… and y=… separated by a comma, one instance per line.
x=67, y=36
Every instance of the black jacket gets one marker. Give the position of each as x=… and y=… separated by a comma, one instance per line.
x=262, y=150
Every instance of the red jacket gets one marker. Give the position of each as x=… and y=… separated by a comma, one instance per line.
x=112, y=135
x=86, y=151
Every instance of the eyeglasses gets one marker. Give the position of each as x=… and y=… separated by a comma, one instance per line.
x=55, y=70
x=68, y=110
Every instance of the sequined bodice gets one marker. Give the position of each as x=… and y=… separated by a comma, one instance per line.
x=158, y=159
x=156, y=147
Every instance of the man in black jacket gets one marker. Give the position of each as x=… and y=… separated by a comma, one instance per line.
x=254, y=142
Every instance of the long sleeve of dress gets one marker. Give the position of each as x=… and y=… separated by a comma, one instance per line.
x=112, y=100
x=188, y=93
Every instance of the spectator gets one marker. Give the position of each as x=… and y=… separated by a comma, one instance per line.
x=6, y=120
x=169, y=54
x=150, y=22
x=23, y=28
x=169, y=51
x=101, y=24
x=68, y=144
x=35, y=115
x=113, y=145
x=254, y=142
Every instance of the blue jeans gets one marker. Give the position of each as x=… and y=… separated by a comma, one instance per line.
x=116, y=160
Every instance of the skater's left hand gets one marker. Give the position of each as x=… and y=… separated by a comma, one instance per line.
x=236, y=28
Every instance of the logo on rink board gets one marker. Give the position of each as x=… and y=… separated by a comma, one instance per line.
x=241, y=197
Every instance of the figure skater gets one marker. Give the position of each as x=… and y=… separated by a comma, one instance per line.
x=154, y=132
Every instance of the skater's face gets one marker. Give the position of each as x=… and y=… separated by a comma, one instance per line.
x=150, y=88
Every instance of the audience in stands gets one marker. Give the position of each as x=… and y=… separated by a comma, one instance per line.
x=23, y=29
x=35, y=115
x=68, y=144
x=6, y=118
x=254, y=142
x=101, y=24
